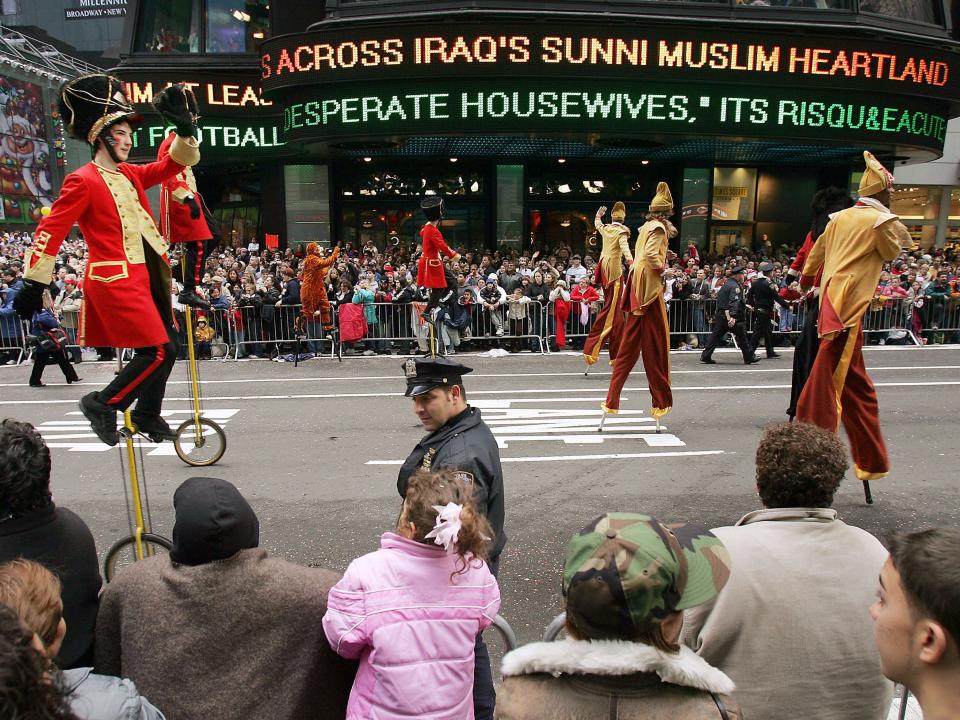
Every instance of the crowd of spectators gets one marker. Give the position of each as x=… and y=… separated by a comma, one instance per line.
x=788, y=612
x=517, y=300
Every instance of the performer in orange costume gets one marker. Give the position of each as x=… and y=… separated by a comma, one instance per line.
x=182, y=221
x=313, y=289
x=608, y=324
x=646, y=330
x=851, y=252
x=126, y=286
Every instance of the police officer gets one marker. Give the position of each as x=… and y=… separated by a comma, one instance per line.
x=729, y=318
x=457, y=439
x=760, y=298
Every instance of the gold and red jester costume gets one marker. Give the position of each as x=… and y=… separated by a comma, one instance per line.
x=646, y=330
x=851, y=253
x=608, y=325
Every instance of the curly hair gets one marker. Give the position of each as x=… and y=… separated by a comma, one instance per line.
x=427, y=489
x=27, y=690
x=24, y=469
x=799, y=465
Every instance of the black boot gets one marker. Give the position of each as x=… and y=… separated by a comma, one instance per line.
x=103, y=418
x=189, y=297
x=154, y=427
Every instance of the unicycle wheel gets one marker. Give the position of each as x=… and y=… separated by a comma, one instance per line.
x=124, y=552
x=200, y=445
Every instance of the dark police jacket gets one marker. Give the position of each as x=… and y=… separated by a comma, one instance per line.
x=730, y=298
x=464, y=444
x=762, y=295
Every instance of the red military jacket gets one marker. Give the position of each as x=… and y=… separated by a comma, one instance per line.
x=173, y=192
x=430, y=265
x=113, y=213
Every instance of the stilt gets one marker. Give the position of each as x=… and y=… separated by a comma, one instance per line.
x=602, y=421
x=866, y=492
x=658, y=424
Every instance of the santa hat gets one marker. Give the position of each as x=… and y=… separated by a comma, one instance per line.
x=876, y=178
x=90, y=104
x=663, y=200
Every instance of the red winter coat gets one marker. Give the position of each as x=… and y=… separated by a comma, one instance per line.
x=173, y=191
x=353, y=324
x=430, y=265
x=118, y=309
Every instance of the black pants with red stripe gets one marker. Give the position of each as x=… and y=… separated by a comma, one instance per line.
x=144, y=378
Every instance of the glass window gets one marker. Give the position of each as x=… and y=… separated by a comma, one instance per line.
x=918, y=208
x=919, y=10
x=169, y=26
x=236, y=26
x=734, y=194
x=509, y=205
x=695, y=210
x=307, y=191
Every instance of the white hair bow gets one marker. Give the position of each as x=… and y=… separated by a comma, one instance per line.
x=447, y=528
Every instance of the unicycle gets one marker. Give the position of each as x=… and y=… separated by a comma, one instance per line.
x=142, y=542
x=200, y=441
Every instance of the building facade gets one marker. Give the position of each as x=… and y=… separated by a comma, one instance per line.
x=329, y=122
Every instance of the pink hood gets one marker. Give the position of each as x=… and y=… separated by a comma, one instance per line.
x=413, y=629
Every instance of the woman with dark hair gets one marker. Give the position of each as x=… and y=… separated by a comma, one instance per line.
x=32, y=527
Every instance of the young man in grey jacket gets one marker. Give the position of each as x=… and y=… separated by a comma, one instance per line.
x=790, y=627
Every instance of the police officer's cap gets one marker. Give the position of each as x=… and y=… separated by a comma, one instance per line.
x=424, y=374
x=432, y=207
x=766, y=267
x=738, y=270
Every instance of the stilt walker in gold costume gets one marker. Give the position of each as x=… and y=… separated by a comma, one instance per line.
x=646, y=330
x=851, y=253
x=608, y=325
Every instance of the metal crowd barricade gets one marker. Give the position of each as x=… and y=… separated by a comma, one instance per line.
x=267, y=330
x=399, y=327
x=17, y=342
x=576, y=327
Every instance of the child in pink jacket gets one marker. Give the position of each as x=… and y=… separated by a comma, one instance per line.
x=411, y=611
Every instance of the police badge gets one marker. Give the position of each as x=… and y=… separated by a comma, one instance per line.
x=410, y=368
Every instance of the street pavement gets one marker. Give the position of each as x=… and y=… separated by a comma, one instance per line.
x=316, y=449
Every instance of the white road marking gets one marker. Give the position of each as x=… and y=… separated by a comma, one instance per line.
x=566, y=458
x=397, y=377
x=592, y=437
x=471, y=393
x=55, y=432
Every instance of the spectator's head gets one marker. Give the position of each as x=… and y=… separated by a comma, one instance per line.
x=33, y=592
x=436, y=386
x=213, y=522
x=420, y=521
x=9, y=276
x=538, y=278
x=491, y=280
x=799, y=465
x=24, y=470
x=517, y=292
x=575, y=261
x=701, y=275
x=917, y=613
x=629, y=577
x=942, y=278
x=584, y=283
x=27, y=689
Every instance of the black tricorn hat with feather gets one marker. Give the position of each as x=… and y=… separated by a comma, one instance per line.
x=90, y=104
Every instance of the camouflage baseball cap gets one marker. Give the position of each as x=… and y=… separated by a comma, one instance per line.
x=626, y=571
